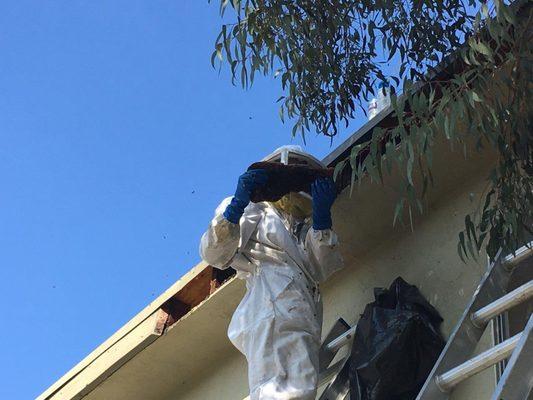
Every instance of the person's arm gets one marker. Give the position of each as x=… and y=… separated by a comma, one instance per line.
x=221, y=240
x=321, y=241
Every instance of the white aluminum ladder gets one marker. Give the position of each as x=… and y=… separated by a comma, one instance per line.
x=489, y=301
x=335, y=376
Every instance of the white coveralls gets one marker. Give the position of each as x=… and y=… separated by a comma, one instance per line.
x=278, y=323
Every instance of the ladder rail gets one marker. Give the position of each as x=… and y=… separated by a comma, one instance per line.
x=517, y=379
x=519, y=255
x=478, y=313
x=335, y=376
x=466, y=335
x=339, y=387
x=327, y=352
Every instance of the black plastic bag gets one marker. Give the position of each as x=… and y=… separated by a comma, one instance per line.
x=396, y=344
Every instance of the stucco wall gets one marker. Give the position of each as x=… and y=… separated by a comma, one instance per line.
x=224, y=381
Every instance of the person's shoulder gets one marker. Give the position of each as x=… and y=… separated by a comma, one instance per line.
x=223, y=204
x=251, y=208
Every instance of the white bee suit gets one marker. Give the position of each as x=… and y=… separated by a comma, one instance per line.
x=277, y=325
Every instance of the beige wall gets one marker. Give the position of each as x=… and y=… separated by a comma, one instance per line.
x=375, y=254
x=226, y=380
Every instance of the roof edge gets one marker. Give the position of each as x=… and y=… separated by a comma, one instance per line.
x=139, y=318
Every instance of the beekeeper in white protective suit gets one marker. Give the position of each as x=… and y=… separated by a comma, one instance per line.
x=283, y=250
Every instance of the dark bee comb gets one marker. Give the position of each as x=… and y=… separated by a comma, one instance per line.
x=283, y=179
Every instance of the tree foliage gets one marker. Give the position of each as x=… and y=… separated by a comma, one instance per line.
x=329, y=54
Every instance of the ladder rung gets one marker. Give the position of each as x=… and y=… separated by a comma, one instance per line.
x=341, y=340
x=521, y=254
x=453, y=377
x=504, y=303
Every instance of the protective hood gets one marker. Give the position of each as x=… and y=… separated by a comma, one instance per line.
x=293, y=155
x=299, y=205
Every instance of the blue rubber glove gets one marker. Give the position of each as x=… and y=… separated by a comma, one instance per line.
x=324, y=193
x=247, y=183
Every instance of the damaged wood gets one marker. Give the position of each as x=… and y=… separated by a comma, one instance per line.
x=161, y=321
x=203, y=285
x=192, y=294
x=214, y=286
x=175, y=309
x=220, y=277
x=198, y=289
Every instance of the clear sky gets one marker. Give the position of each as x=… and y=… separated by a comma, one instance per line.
x=117, y=141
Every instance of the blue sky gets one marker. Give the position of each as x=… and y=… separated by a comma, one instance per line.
x=117, y=141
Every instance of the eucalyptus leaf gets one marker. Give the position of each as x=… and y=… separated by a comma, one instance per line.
x=331, y=55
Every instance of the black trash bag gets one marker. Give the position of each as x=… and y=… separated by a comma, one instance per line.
x=396, y=344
